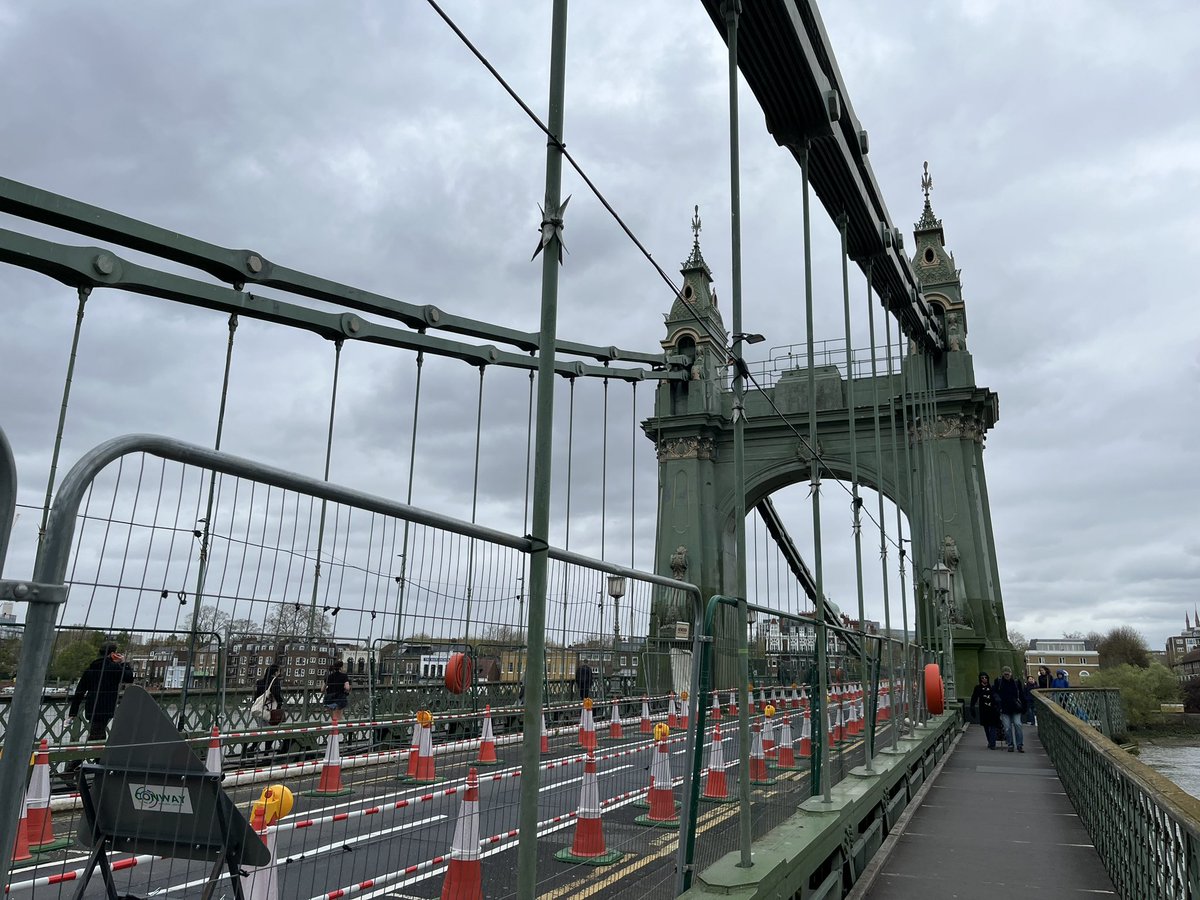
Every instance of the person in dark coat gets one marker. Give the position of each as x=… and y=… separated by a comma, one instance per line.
x=269, y=682
x=983, y=704
x=583, y=681
x=1027, y=699
x=1010, y=699
x=1061, y=680
x=1043, y=677
x=337, y=687
x=98, y=690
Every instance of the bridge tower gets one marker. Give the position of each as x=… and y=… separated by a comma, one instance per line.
x=692, y=428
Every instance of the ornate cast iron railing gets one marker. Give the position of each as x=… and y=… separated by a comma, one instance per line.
x=1099, y=707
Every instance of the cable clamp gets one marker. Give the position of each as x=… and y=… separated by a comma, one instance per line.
x=32, y=592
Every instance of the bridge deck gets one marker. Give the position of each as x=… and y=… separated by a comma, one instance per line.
x=993, y=824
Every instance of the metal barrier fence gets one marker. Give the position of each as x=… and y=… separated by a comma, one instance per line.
x=122, y=539
x=1145, y=828
x=1099, y=707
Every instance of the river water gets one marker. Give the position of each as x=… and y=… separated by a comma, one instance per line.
x=1178, y=761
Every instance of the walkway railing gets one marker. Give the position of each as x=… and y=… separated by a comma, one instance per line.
x=1145, y=828
x=1099, y=707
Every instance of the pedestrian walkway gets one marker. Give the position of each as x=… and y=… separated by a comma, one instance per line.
x=992, y=824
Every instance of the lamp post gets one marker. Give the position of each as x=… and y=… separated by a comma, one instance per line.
x=616, y=590
x=943, y=586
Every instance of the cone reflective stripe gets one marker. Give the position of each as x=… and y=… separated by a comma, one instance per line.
x=587, y=726
x=716, y=787
x=213, y=761
x=261, y=883
x=806, y=735
x=588, y=845
x=672, y=712
x=21, y=844
x=662, y=786
x=715, y=715
x=330, y=783
x=758, y=762
x=37, y=803
x=786, y=752
x=545, y=738
x=425, y=773
x=487, y=740
x=464, y=876
x=615, y=731
x=646, y=727
x=414, y=751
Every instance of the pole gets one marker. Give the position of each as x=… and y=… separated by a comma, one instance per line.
x=527, y=847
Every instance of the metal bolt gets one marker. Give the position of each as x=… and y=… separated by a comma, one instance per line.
x=353, y=323
x=104, y=264
x=254, y=263
x=20, y=591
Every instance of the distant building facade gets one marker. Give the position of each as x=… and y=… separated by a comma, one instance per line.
x=1076, y=655
x=1187, y=641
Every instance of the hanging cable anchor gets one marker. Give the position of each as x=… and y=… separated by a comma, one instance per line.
x=551, y=228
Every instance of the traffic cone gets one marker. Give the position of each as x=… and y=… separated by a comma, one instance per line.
x=464, y=875
x=830, y=715
x=806, y=735
x=758, y=762
x=881, y=701
x=615, y=731
x=715, y=715
x=662, y=786
x=768, y=732
x=646, y=727
x=750, y=704
x=487, y=741
x=804, y=698
x=588, y=846
x=839, y=723
x=330, y=783
x=786, y=751
x=853, y=725
x=794, y=702
x=414, y=751
x=261, y=883
x=587, y=726
x=685, y=712
x=425, y=772
x=21, y=852
x=733, y=705
x=545, y=738
x=672, y=712
x=37, y=802
x=213, y=761
x=716, y=788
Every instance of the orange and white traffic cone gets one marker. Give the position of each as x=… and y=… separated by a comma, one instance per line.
x=716, y=787
x=214, y=761
x=261, y=883
x=830, y=717
x=715, y=715
x=544, y=737
x=487, y=740
x=853, y=725
x=646, y=726
x=414, y=752
x=672, y=712
x=588, y=846
x=587, y=726
x=786, y=751
x=425, y=773
x=37, y=802
x=330, y=784
x=794, y=701
x=804, y=698
x=881, y=700
x=733, y=709
x=21, y=852
x=750, y=704
x=806, y=735
x=758, y=761
x=615, y=731
x=685, y=713
x=662, y=785
x=464, y=875
x=768, y=732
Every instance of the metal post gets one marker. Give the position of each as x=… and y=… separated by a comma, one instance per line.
x=855, y=499
x=815, y=481
x=8, y=495
x=732, y=9
x=412, y=459
x=527, y=849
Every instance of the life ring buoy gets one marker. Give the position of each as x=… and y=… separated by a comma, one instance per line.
x=458, y=673
x=934, y=697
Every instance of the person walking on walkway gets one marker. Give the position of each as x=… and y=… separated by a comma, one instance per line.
x=1060, y=679
x=1009, y=694
x=1027, y=699
x=983, y=704
x=1044, y=677
x=337, y=687
x=98, y=689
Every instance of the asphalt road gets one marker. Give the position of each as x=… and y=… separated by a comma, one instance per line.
x=333, y=855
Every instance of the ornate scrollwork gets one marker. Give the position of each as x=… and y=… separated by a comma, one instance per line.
x=947, y=427
x=701, y=447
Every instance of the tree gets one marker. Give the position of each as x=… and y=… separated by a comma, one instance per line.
x=1143, y=689
x=75, y=649
x=1019, y=642
x=290, y=620
x=1123, y=646
x=1073, y=636
x=1191, y=695
x=10, y=656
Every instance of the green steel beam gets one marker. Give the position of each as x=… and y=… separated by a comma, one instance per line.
x=238, y=267
x=93, y=267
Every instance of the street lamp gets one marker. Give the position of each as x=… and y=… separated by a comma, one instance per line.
x=616, y=590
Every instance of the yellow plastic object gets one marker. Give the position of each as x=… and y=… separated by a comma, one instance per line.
x=661, y=730
x=770, y=710
x=276, y=802
x=683, y=695
x=424, y=718
x=587, y=702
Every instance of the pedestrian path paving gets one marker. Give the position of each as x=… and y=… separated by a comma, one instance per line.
x=993, y=824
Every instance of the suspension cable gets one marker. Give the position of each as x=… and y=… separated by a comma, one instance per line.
x=474, y=506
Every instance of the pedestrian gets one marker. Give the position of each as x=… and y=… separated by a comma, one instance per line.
x=1060, y=679
x=337, y=687
x=1009, y=693
x=1043, y=677
x=1027, y=699
x=584, y=679
x=98, y=690
x=269, y=684
x=983, y=704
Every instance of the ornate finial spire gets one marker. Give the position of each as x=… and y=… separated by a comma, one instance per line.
x=928, y=219
x=696, y=226
x=696, y=259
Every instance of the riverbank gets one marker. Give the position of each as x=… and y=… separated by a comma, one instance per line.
x=1167, y=734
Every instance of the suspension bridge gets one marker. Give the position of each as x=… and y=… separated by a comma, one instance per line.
x=468, y=710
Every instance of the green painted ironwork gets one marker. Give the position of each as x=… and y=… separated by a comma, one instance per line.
x=1145, y=828
x=1101, y=708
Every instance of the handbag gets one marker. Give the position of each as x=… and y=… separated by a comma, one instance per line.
x=263, y=710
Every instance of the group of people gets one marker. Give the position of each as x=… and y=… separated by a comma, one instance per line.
x=1003, y=706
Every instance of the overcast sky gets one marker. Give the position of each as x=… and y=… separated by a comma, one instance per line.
x=362, y=143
